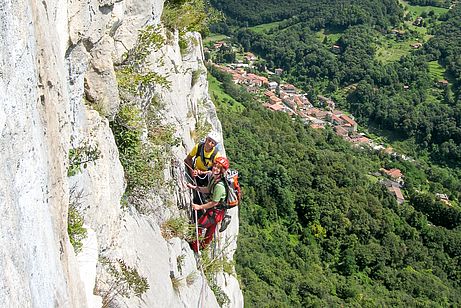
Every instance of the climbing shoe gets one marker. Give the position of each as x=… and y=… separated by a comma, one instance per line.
x=225, y=222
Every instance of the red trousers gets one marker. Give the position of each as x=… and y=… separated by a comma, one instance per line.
x=208, y=221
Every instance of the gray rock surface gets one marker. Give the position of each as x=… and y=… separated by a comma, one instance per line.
x=57, y=61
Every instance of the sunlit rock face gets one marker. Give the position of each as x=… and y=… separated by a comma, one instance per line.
x=57, y=59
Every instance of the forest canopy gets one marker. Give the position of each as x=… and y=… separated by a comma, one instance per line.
x=318, y=227
x=316, y=230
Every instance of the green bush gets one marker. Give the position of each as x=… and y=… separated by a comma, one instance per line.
x=77, y=233
x=195, y=76
x=127, y=128
x=125, y=281
x=221, y=297
x=132, y=77
x=149, y=39
x=189, y=16
x=144, y=161
x=178, y=227
x=80, y=157
x=130, y=80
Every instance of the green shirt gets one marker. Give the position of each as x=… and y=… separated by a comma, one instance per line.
x=218, y=191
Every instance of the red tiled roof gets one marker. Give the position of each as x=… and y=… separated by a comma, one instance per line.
x=361, y=140
x=298, y=101
x=335, y=118
x=276, y=107
x=321, y=114
x=275, y=99
x=263, y=79
x=397, y=192
x=302, y=114
x=337, y=112
x=341, y=131
x=348, y=119
x=269, y=93
x=394, y=173
x=288, y=87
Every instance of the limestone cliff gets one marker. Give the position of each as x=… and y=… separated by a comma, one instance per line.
x=62, y=65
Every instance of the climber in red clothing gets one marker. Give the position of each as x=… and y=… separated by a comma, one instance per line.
x=214, y=206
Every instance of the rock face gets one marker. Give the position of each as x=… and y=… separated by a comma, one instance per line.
x=58, y=58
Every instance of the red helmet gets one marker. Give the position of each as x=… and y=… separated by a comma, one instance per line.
x=224, y=162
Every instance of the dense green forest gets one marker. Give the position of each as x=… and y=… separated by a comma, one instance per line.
x=317, y=230
x=257, y=12
x=440, y=3
x=416, y=96
x=317, y=226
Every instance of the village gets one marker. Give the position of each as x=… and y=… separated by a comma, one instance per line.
x=285, y=97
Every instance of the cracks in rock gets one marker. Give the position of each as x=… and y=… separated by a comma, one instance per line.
x=115, y=27
x=45, y=7
x=175, y=67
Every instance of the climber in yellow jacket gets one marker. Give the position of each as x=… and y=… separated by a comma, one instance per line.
x=199, y=162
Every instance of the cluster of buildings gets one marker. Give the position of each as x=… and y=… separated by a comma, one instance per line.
x=240, y=76
x=394, y=183
x=287, y=98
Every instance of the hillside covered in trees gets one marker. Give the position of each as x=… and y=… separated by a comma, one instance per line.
x=318, y=230
x=396, y=67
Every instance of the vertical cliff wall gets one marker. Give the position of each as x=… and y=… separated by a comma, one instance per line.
x=58, y=93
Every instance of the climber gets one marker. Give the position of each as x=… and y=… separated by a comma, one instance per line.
x=200, y=161
x=215, y=209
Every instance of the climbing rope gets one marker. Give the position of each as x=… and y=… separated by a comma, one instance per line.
x=201, y=302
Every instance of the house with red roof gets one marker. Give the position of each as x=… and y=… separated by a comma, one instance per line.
x=394, y=190
x=317, y=126
x=219, y=44
x=394, y=173
x=290, y=103
x=274, y=100
x=349, y=121
x=341, y=131
x=269, y=93
x=250, y=57
x=361, y=140
x=289, y=88
x=276, y=107
x=238, y=79
x=336, y=120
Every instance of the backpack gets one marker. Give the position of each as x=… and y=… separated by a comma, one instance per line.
x=201, y=153
x=233, y=191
